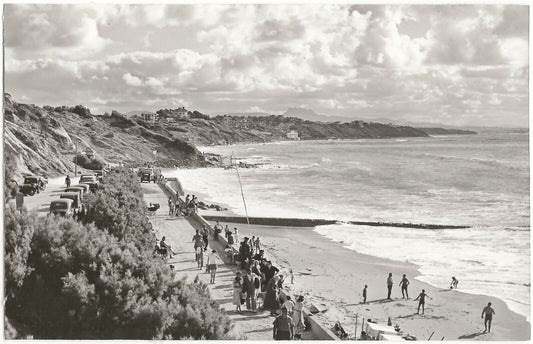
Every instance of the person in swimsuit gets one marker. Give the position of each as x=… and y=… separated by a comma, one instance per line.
x=422, y=301
x=404, y=283
x=488, y=312
x=454, y=283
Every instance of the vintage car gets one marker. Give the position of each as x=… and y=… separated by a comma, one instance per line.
x=74, y=196
x=147, y=177
x=33, y=185
x=86, y=187
x=62, y=207
x=78, y=189
x=89, y=180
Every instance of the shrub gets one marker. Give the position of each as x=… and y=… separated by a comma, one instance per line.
x=83, y=283
x=86, y=162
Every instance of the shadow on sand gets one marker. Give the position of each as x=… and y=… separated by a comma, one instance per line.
x=471, y=335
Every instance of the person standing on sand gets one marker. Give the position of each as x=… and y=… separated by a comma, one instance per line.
x=236, y=235
x=197, y=239
x=488, y=312
x=226, y=232
x=218, y=230
x=250, y=288
x=212, y=264
x=283, y=326
x=205, y=236
x=364, y=294
x=422, y=301
x=237, y=291
x=454, y=283
x=67, y=181
x=257, y=245
x=389, y=286
x=404, y=283
x=271, y=302
x=298, y=316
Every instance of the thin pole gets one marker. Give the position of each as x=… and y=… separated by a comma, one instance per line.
x=242, y=194
x=76, y=161
x=356, y=316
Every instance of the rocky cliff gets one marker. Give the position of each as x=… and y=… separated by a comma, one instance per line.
x=43, y=140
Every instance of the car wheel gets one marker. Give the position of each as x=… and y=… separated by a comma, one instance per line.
x=32, y=192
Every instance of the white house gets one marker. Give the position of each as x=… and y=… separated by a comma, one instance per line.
x=181, y=112
x=293, y=135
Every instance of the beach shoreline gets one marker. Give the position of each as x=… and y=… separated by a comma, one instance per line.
x=282, y=244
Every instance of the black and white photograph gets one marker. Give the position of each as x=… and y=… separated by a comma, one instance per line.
x=276, y=171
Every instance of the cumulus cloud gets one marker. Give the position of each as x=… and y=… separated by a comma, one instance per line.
x=414, y=62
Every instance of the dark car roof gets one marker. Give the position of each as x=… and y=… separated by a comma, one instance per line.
x=69, y=194
x=62, y=200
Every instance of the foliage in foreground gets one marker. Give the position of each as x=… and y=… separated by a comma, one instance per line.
x=68, y=280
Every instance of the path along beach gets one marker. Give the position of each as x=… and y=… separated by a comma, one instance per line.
x=333, y=277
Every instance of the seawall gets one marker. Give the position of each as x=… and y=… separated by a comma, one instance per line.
x=319, y=331
x=296, y=222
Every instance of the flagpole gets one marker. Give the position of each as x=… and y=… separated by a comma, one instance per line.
x=242, y=192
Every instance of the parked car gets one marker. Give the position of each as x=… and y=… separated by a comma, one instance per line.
x=78, y=189
x=147, y=177
x=33, y=185
x=90, y=180
x=62, y=207
x=86, y=187
x=74, y=196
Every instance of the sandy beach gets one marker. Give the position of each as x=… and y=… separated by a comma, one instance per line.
x=333, y=277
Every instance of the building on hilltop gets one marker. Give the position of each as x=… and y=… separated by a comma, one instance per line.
x=293, y=135
x=150, y=117
x=181, y=112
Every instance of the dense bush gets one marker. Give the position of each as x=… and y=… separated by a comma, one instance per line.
x=97, y=281
x=86, y=162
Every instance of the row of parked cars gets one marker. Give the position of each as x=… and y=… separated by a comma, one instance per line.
x=69, y=202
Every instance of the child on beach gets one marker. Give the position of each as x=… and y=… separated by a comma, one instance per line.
x=422, y=302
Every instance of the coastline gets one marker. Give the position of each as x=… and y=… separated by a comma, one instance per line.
x=454, y=313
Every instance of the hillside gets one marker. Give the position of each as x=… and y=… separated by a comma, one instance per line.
x=234, y=129
x=43, y=140
x=446, y=131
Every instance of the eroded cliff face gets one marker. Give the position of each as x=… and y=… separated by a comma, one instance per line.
x=43, y=140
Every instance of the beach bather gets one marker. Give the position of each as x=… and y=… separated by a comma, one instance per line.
x=364, y=294
x=403, y=284
x=488, y=311
x=212, y=260
x=454, y=283
x=389, y=286
x=421, y=301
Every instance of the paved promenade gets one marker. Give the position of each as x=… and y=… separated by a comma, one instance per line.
x=179, y=232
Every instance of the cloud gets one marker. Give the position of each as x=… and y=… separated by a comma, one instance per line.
x=410, y=61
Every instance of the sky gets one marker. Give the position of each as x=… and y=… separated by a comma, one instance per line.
x=451, y=64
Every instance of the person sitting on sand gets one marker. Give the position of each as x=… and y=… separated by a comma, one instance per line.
x=454, y=283
x=389, y=286
x=364, y=294
x=488, y=312
x=403, y=284
x=422, y=301
x=283, y=326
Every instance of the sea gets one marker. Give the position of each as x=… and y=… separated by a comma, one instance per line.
x=480, y=181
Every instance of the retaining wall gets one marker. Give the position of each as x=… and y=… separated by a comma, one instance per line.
x=319, y=331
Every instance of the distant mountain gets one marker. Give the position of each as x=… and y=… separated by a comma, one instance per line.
x=310, y=115
x=249, y=114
